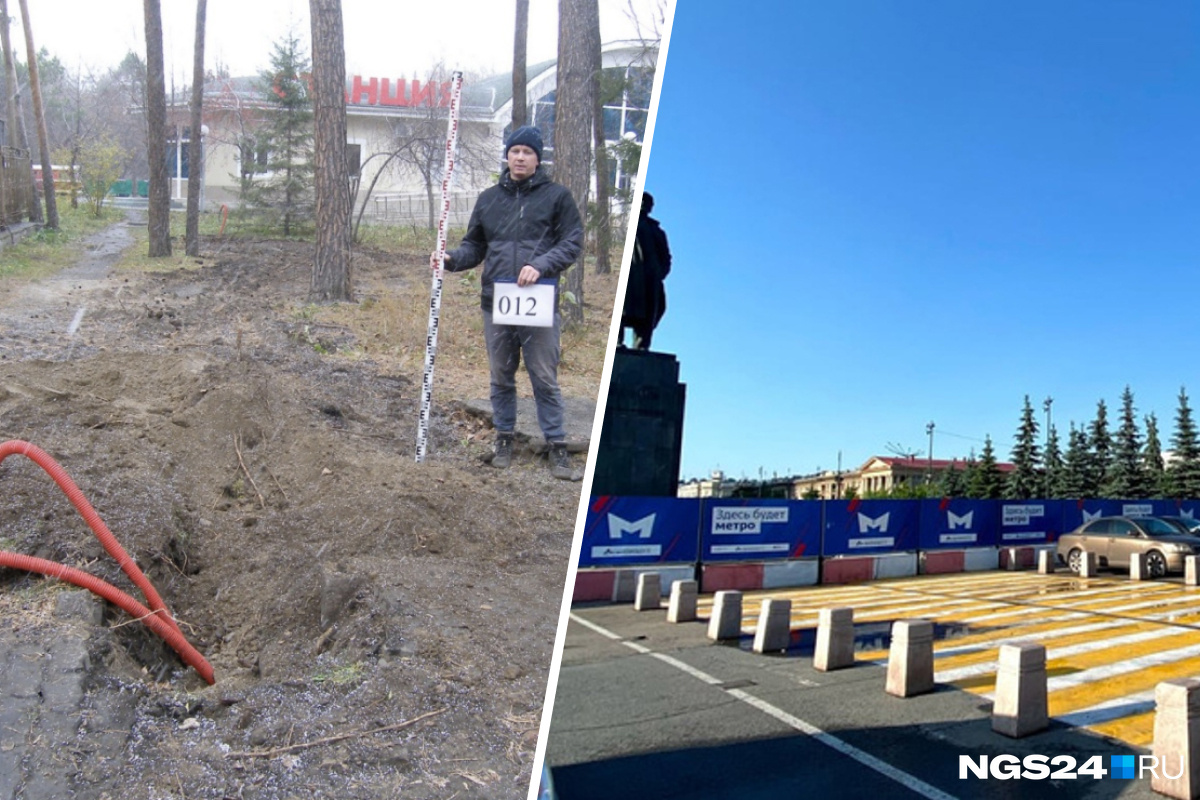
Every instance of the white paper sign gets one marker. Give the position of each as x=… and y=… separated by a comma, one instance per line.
x=532, y=305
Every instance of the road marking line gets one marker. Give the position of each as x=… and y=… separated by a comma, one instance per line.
x=989, y=667
x=910, y=782
x=1115, y=670
x=1110, y=710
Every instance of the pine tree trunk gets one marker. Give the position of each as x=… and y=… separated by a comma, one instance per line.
x=159, y=212
x=520, y=40
x=331, y=277
x=10, y=79
x=196, y=140
x=39, y=113
x=603, y=223
x=573, y=126
x=17, y=135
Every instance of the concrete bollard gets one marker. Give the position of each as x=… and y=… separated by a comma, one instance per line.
x=1020, y=707
x=726, y=620
x=835, y=639
x=625, y=586
x=774, y=626
x=1089, y=566
x=1014, y=559
x=1177, y=739
x=682, y=605
x=649, y=592
x=1047, y=562
x=910, y=660
x=1137, y=567
x=1190, y=574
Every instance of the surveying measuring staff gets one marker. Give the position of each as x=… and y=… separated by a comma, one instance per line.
x=526, y=231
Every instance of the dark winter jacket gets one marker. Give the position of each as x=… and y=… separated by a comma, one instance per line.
x=645, y=299
x=534, y=222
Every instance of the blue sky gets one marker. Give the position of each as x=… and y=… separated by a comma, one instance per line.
x=889, y=213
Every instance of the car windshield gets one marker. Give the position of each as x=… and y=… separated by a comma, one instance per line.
x=1158, y=527
x=1176, y=522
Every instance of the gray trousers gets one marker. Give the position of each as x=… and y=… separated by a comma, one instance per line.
x=505, y=345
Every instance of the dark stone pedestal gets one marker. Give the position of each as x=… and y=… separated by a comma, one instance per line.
x=640, y=442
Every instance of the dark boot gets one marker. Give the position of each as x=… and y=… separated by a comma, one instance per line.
x=560, y=462
x=502, y=453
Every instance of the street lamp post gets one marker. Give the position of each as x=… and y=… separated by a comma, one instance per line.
x=929, y=430
x=1049, y=401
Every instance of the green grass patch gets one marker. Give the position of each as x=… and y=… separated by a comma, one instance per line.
x=137, y=259
x=46, y=251
x=401, y=238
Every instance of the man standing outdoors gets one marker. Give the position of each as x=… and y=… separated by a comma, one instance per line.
x=525, y=229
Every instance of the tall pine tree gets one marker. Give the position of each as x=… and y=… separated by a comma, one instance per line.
x=1024, y=482
x=1053, y=466
x=1126, y=479
x=1185, y=462
x=1152, y=459
x=987, y=482
x=1077, y=466
x=1101, y=443
x=952, y=484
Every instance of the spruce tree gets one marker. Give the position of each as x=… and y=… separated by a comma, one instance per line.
x=1126, y=479
x=1152, y=460
x=968, y=474
x=1053, y=466
x=1077, y=466
x=1185, y=462
x=987, y=480
x=952, y=484
x=1101, y=443
x=1024, y=483
x=285, y=193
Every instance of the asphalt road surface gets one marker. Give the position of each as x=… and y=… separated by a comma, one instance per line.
x=645, y=708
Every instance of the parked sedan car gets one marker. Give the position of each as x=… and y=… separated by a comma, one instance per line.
x=1187, y=524
x=1114, y=540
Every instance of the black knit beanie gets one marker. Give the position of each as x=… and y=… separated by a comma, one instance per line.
x=527, y=135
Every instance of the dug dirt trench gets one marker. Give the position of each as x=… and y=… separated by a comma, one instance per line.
x=269, y=490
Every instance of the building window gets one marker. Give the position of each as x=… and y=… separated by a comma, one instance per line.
x=354, y=159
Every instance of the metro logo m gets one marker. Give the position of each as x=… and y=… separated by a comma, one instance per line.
x=960, y=523
x=618, y=527
x=867, y=524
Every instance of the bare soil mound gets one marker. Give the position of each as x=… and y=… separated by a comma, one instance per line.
x=269, y=490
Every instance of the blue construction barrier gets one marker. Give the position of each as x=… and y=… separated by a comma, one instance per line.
x=745, y=530
x=957, y=524
x=1029, y=522
x=870, y=527
x=620, y=531
x=625, y=531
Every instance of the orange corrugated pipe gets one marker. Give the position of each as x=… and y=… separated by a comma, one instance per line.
x=190, y=655
x=157, y=617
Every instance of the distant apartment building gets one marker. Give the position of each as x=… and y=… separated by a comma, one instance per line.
x=879, y=474
x=713, y=486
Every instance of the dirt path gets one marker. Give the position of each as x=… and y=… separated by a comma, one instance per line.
x=40, y=310
x=270, y=492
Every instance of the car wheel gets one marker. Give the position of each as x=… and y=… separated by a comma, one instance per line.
x=1075, y=560
x=1156, y=564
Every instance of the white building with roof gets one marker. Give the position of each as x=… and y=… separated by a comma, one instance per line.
x=396, y=128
